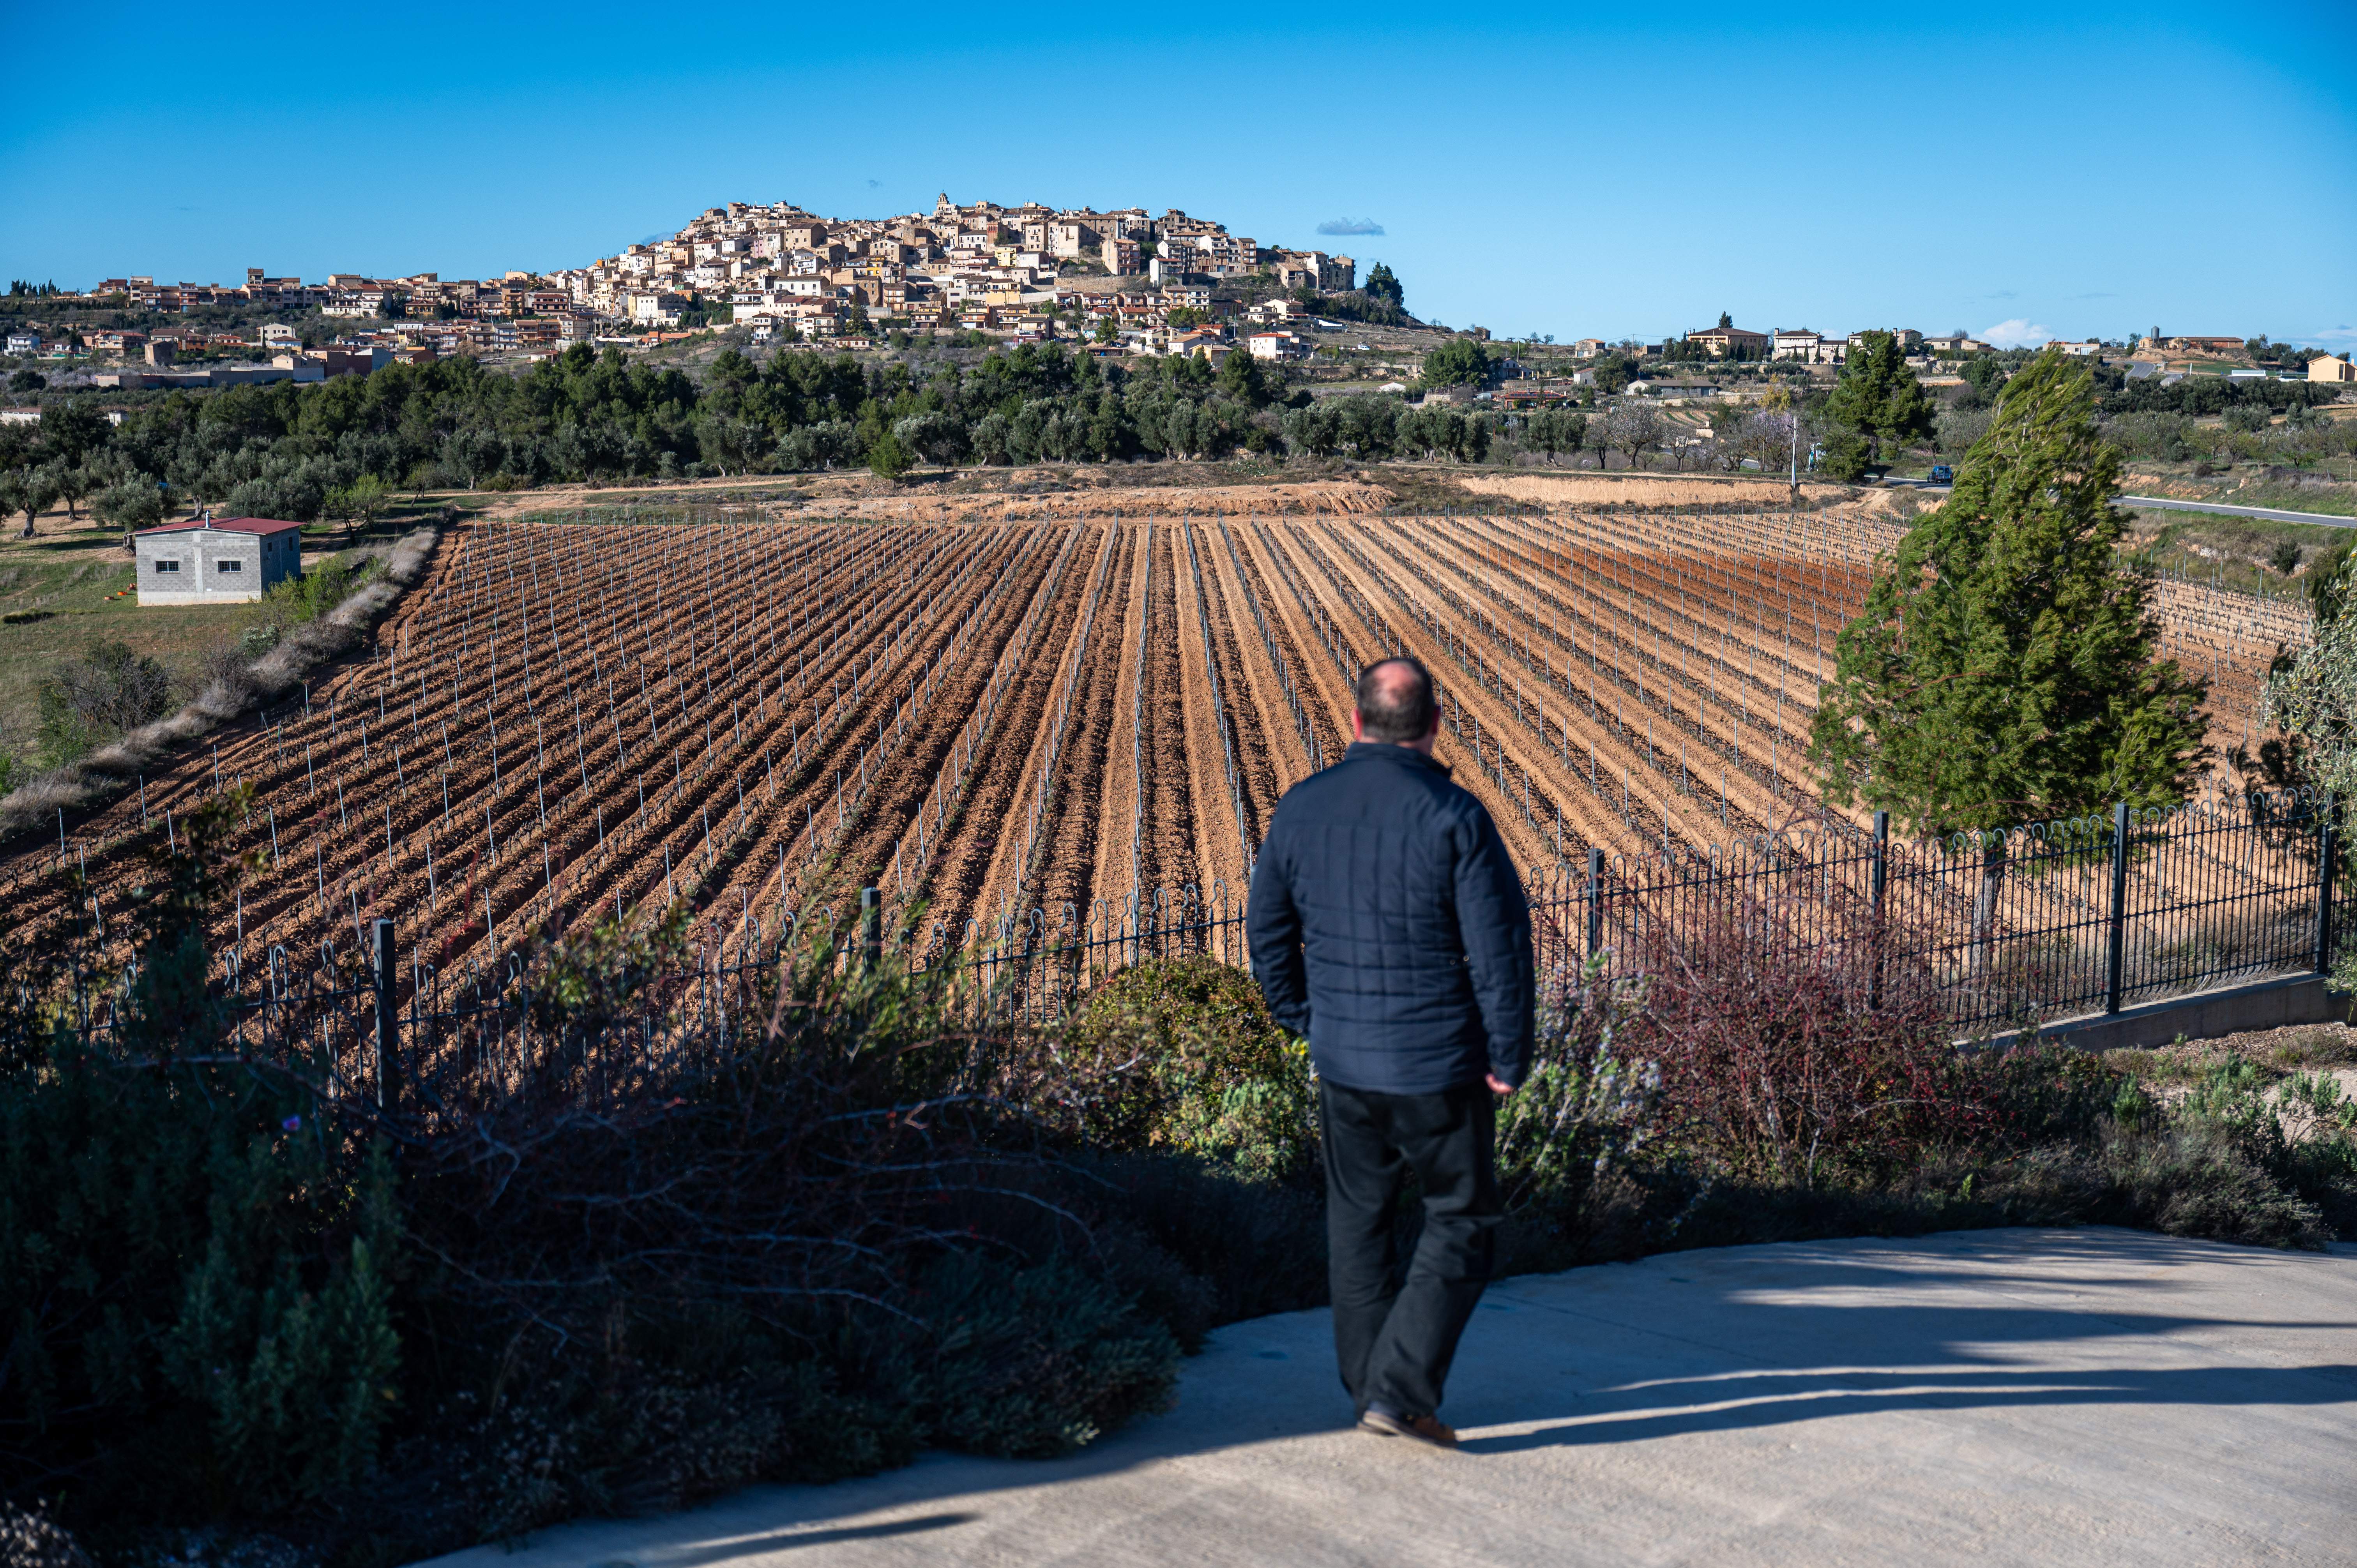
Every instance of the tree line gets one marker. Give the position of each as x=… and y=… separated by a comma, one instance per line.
x=300, y=452
x=338, y=449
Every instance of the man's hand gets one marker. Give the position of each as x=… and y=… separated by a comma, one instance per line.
x=1498, y=1087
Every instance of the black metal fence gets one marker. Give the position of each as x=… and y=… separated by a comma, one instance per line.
x=2046, y=921
x=2041, y=923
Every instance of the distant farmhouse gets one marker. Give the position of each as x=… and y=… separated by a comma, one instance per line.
x=1722, y=342
x=216, y=561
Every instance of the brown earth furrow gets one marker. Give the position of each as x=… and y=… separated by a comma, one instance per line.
x=543, y=673
x=1261, y=753
x=1323, y=670
x=1179, y=851
x=1030, y=821
x=1484, y=722
x=1222, y=844
x=1079, y=806
x=1115, y=866
x=1635, y=669
x=1250, y=587
x=1636, y=632
x=971, y=883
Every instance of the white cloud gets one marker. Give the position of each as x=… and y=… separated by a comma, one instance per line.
x=2018, y=333
x=2343, y=337
x=1349, y=226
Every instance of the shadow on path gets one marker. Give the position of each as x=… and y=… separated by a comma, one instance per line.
x=1679, y=1360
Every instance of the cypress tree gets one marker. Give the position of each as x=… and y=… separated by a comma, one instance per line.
x=2005, y=667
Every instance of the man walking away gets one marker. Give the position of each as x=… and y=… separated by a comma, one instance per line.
x=1387, y=924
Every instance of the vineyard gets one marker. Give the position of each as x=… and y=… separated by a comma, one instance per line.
x=1006, y=725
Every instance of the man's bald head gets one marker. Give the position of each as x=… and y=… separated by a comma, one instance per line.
x=1395, y=701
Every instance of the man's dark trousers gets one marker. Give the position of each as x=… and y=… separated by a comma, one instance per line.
x=1394, y=1344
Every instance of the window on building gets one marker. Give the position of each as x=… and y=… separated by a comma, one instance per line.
x=231, y=565
x=167, y=565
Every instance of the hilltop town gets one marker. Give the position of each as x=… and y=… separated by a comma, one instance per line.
x=1121, y=282
x=1122, y=278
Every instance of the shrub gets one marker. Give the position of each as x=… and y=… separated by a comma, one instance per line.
x=1196, y=1242
x=1198, y=1066
x=1587, y=1105
x=2195, y=1177
x=1034, y=1362
x=890, y=457
x=192, y=1251
x=619, y=1283
x=105, y=691
x=194, y=1261
x=617, y=1431
x=227, y=665
x=598, y=1289
x=294, y=600
x=2301, y=1139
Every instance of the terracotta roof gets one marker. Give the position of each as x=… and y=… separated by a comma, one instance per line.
x=224, y=525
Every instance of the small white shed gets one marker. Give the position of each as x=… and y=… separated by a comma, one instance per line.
x=216, y=561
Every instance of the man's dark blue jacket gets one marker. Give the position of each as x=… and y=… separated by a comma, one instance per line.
x=1387, y=924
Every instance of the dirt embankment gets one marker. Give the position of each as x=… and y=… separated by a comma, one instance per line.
x=1200, y=501
x=1007, y=498
x=1596, y=489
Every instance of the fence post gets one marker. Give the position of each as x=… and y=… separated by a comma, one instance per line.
x=2117, y=960
x=388, y=1039
x=871, y=929
x=1877, y=880
x=1595, y=901
x=2328, y=851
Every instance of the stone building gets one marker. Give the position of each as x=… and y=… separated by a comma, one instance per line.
x=215, y=561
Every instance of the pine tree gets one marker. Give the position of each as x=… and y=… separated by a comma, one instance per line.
x=2005, y=667
x=1877, y=399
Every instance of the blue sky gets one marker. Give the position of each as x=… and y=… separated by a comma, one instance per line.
x=1564, y=168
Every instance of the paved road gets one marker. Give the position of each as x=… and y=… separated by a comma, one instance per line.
x=1996, y=1397
x=2323, y=519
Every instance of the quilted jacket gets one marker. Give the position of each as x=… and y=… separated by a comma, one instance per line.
x=1387, y=924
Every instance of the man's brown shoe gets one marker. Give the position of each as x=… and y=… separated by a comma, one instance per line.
x=1422, y=1428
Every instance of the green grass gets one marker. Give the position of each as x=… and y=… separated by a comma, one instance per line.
x=58, y=596
x=2340, y=500
x=2239, y=547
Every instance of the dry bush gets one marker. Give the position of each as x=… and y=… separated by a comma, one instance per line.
x=30, y=1538
x=796, y=1255
x=225, y=668
x=1794, y=1038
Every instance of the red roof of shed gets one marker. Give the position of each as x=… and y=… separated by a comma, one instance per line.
x=224, y=525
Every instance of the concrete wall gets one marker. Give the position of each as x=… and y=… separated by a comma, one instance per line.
x=2206, y=1015
x=216, y=567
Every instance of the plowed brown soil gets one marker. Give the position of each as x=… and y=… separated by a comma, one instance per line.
x=571, y=721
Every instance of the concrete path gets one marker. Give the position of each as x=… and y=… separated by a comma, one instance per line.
x=2062, y=1397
